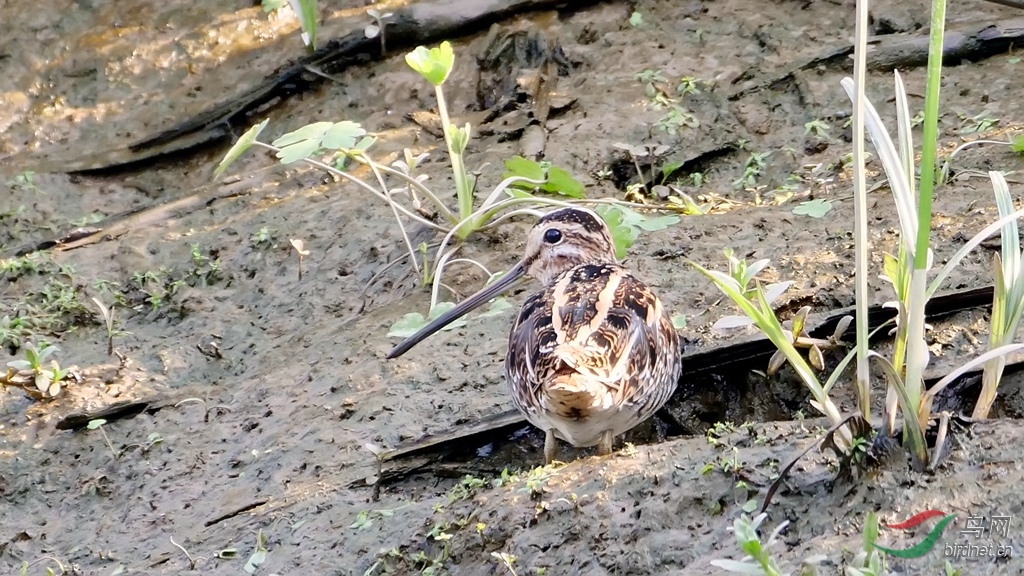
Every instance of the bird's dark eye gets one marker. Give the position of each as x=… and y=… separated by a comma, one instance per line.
x=553, y=236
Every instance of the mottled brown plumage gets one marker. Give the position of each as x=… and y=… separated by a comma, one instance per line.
x=591, y=355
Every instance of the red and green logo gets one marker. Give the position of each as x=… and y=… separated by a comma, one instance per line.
x=926, y=545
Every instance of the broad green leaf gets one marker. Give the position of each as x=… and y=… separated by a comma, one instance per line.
x=813, y=208
x=519, y=166
x=623, y=236
x=343, y=134
x=299, y=151
x=94, y=424
x=890, y=268
x=434, y=64
x=407, y=325
x=314, y=131
x=498, y=306
x=20, y=364
x=562, y=182
x=258, y=557
x=239, y=148
x=1018, y=144
x=43, y=381
x=669, y=168
x=679, y=321
x=644, y=222
x=365, y=143
x=441, y=308
x=636, y=19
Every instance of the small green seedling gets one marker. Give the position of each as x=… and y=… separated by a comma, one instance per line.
x=259, y=556
x=817, y=127
x=688, y=85
x=265, y=239
x=97, y=424
x=300, y=249
x=377, y=28
x=108, y=321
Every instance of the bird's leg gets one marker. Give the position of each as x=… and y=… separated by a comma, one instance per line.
x=604, y=448
x=550, y=446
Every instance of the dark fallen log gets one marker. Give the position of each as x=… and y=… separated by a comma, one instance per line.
x=1010, y=3
x=971, y=42
x=730, y=361
x=420, y=23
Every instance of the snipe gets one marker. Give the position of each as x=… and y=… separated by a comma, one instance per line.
x=591, y=355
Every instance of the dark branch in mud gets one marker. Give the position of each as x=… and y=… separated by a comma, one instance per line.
x=232, y=514
x=421, y=23
x=974, y=42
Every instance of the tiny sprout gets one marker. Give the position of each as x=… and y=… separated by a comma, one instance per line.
x=108, y=321
x=377, y=28
x=818, y=127
x=97, y=424
x=299, y=246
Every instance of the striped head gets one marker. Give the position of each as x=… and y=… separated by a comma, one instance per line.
x=559, y=242
x=565, y=239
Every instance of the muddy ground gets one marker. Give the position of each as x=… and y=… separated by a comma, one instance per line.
x=291, y=373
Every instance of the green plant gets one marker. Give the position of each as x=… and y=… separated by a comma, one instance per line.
x=507, y=560
x=33, y=375
x=819, y=128
x=206, y=270
x=108, y=322
x=868, y=561
x=377, y=28
x=305, y=11
x=753, y=169
x=652, y=151
x=31, y=263
x=1018, y=144
x=259, y=555
x=1007, y=300
x=907, y=272
x=688, y=85
x=25, y=181
x=97, y=424
x=636, y=19
x=814, y=208
x=977, y=124
x=403, y=188
x=758, y=559
x=947, y=165
x=676, y=118
x=265, y=239
x=755, y=301
x=300, y=250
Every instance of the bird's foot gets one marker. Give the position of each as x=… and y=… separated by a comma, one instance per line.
x=604, y=448
x=550, y=446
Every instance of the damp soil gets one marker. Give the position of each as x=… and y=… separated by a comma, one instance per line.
x=246, y=400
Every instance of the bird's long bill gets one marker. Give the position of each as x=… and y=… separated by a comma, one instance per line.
x=464, y=307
